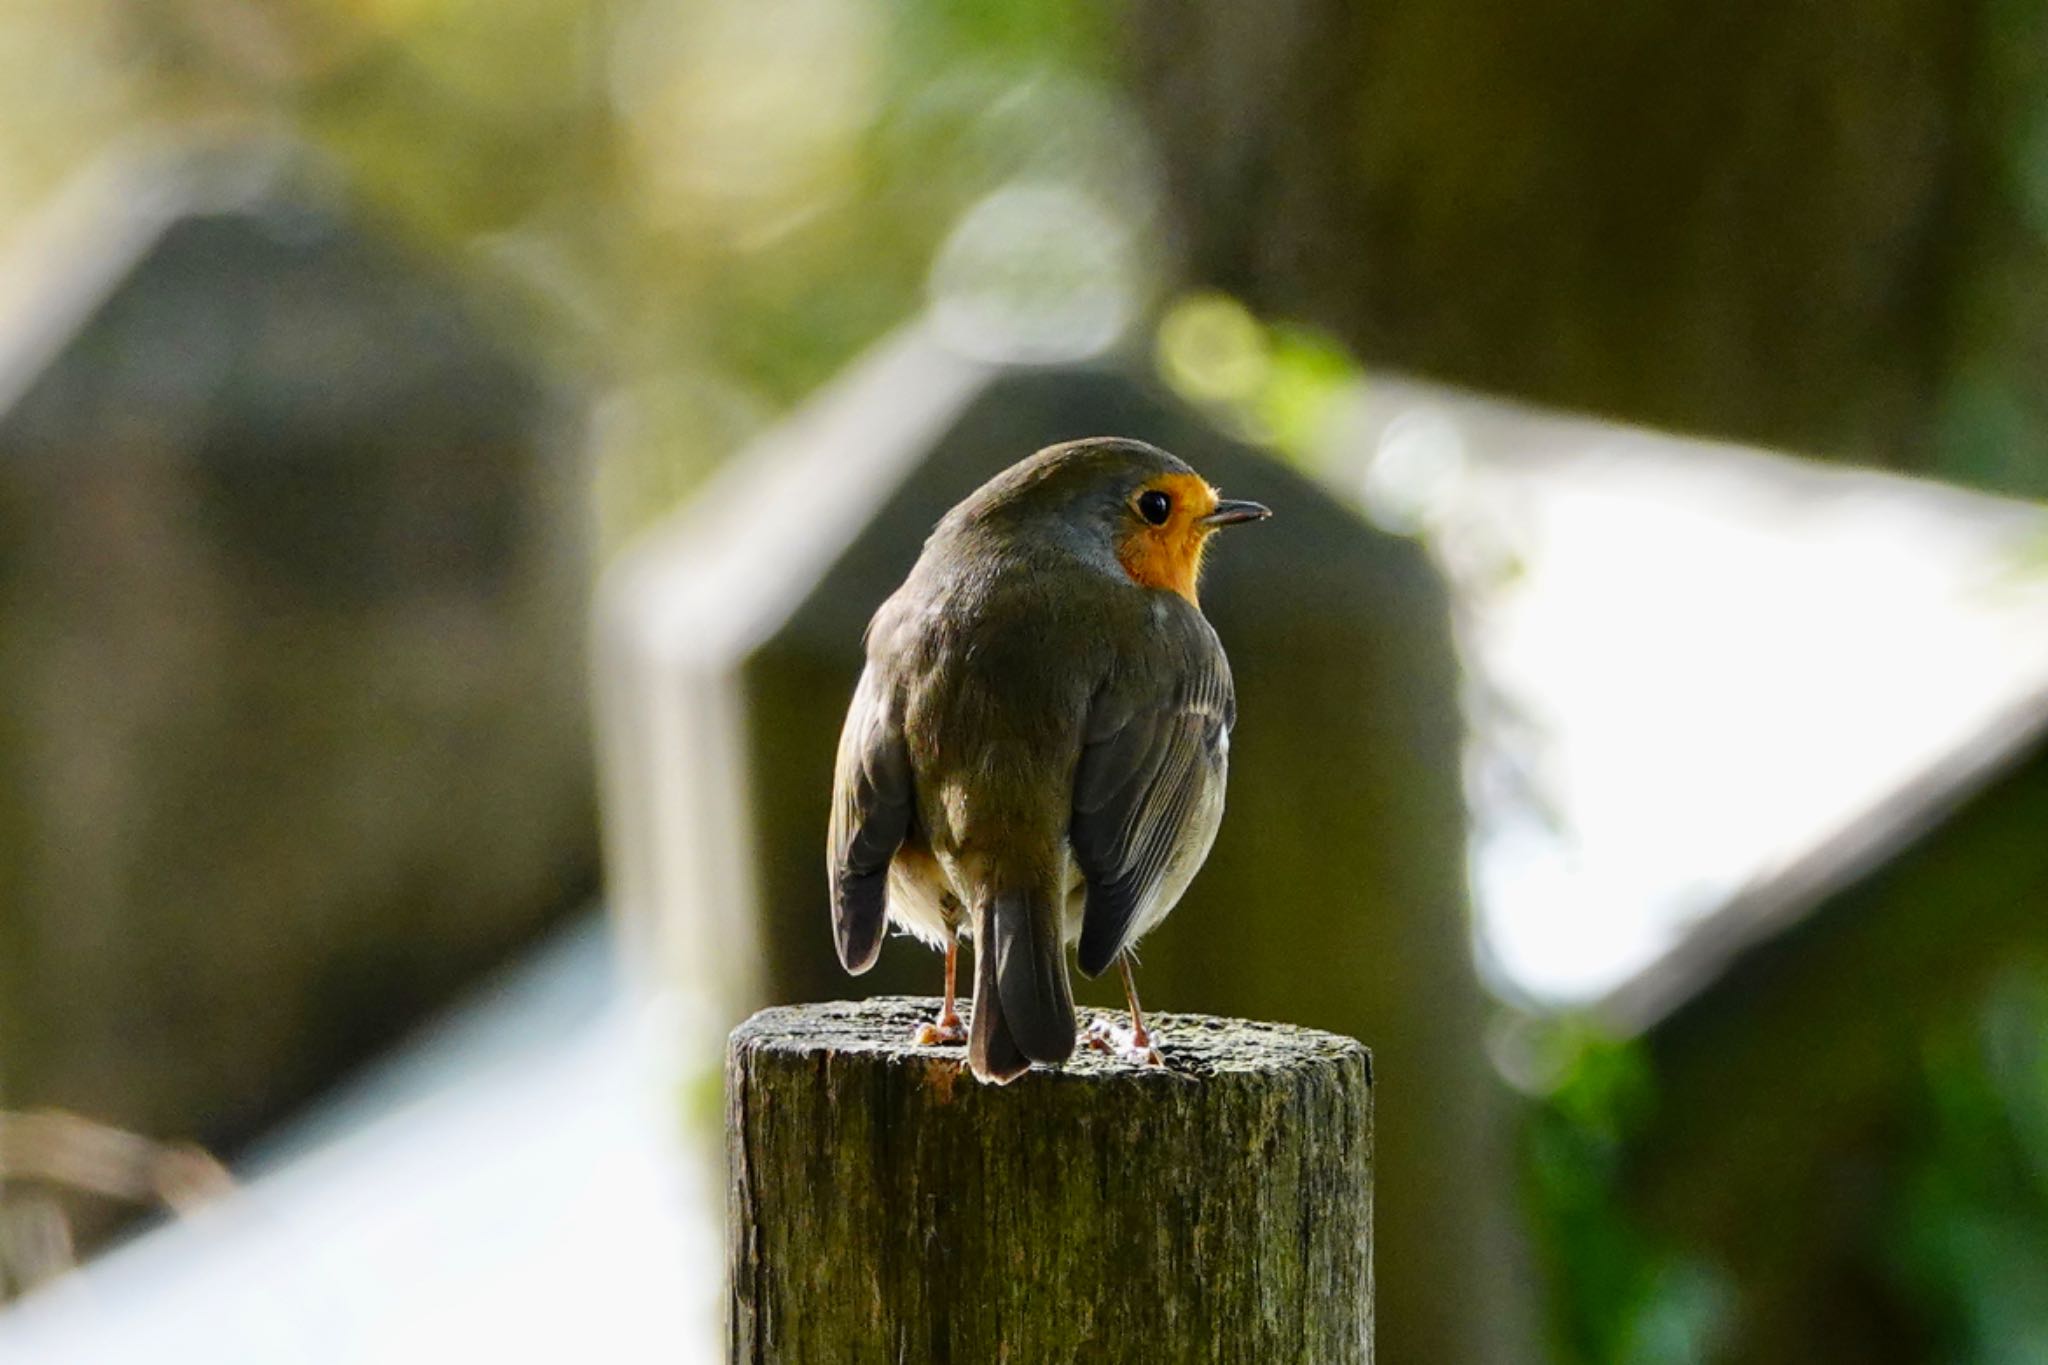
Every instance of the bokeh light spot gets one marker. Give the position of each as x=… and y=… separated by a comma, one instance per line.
x=1212, y=349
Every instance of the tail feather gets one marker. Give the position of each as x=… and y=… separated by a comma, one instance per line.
x=992, y=1053
x=1023, y=1004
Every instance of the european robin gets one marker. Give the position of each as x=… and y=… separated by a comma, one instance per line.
x=1035, y=754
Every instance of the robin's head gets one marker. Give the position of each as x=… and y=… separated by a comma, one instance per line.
x=1133, y=502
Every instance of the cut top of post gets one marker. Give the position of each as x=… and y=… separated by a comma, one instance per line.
x=1196, y=1046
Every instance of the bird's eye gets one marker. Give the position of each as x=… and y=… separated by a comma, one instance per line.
x=1154, y=506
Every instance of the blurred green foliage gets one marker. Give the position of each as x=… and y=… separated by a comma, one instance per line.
x=712, y=205
x=1968, y=1242
x=1971, y=1245
x=1616, y=1297
x=1990, y=424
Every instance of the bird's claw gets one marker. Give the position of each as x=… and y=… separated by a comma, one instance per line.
x=946, y=1030
x=1120, y=1040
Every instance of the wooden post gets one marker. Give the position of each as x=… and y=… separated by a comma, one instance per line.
x=884, y=1207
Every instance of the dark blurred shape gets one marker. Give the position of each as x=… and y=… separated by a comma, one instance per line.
x=1765, y=221
x=1787, y=1033
x=291, y=568
x=1335, y=896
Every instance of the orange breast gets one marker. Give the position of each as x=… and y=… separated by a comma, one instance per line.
x=1170, y=556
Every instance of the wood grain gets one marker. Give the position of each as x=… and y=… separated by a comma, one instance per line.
x=884, y=1207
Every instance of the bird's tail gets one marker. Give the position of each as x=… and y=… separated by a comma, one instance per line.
x=1023, y=1006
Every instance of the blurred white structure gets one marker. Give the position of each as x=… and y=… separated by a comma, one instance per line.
x=1693, y=662
x=513, y=1186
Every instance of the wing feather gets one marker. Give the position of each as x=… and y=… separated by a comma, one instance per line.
x=871, y=811
x=1148, y=786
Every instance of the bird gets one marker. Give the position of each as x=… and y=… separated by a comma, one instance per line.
x=1035, y=754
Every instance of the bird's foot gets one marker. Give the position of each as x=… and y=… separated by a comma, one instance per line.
x=944, y=1031
x=1121, y=1040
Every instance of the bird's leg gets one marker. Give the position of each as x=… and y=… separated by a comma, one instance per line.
x=947, y=1028
x=1141, y=1041
x=1133, y=1044
x=950, y=1027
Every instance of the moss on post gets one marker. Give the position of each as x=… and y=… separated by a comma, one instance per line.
x=885, y=1207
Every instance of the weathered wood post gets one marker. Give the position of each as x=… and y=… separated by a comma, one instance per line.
x=885, y=1207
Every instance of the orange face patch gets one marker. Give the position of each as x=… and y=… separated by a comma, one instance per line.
x=1169, y=555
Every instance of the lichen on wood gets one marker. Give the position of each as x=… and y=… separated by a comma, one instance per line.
x=885, y=1207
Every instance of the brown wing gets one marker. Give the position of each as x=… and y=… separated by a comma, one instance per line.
x=1149, y=783
x=871, y=810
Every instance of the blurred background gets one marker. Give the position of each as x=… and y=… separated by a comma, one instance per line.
x=448, y=452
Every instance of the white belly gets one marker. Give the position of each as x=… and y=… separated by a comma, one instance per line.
x=923, y=901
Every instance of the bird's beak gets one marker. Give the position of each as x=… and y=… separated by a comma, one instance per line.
x=1231, y=511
